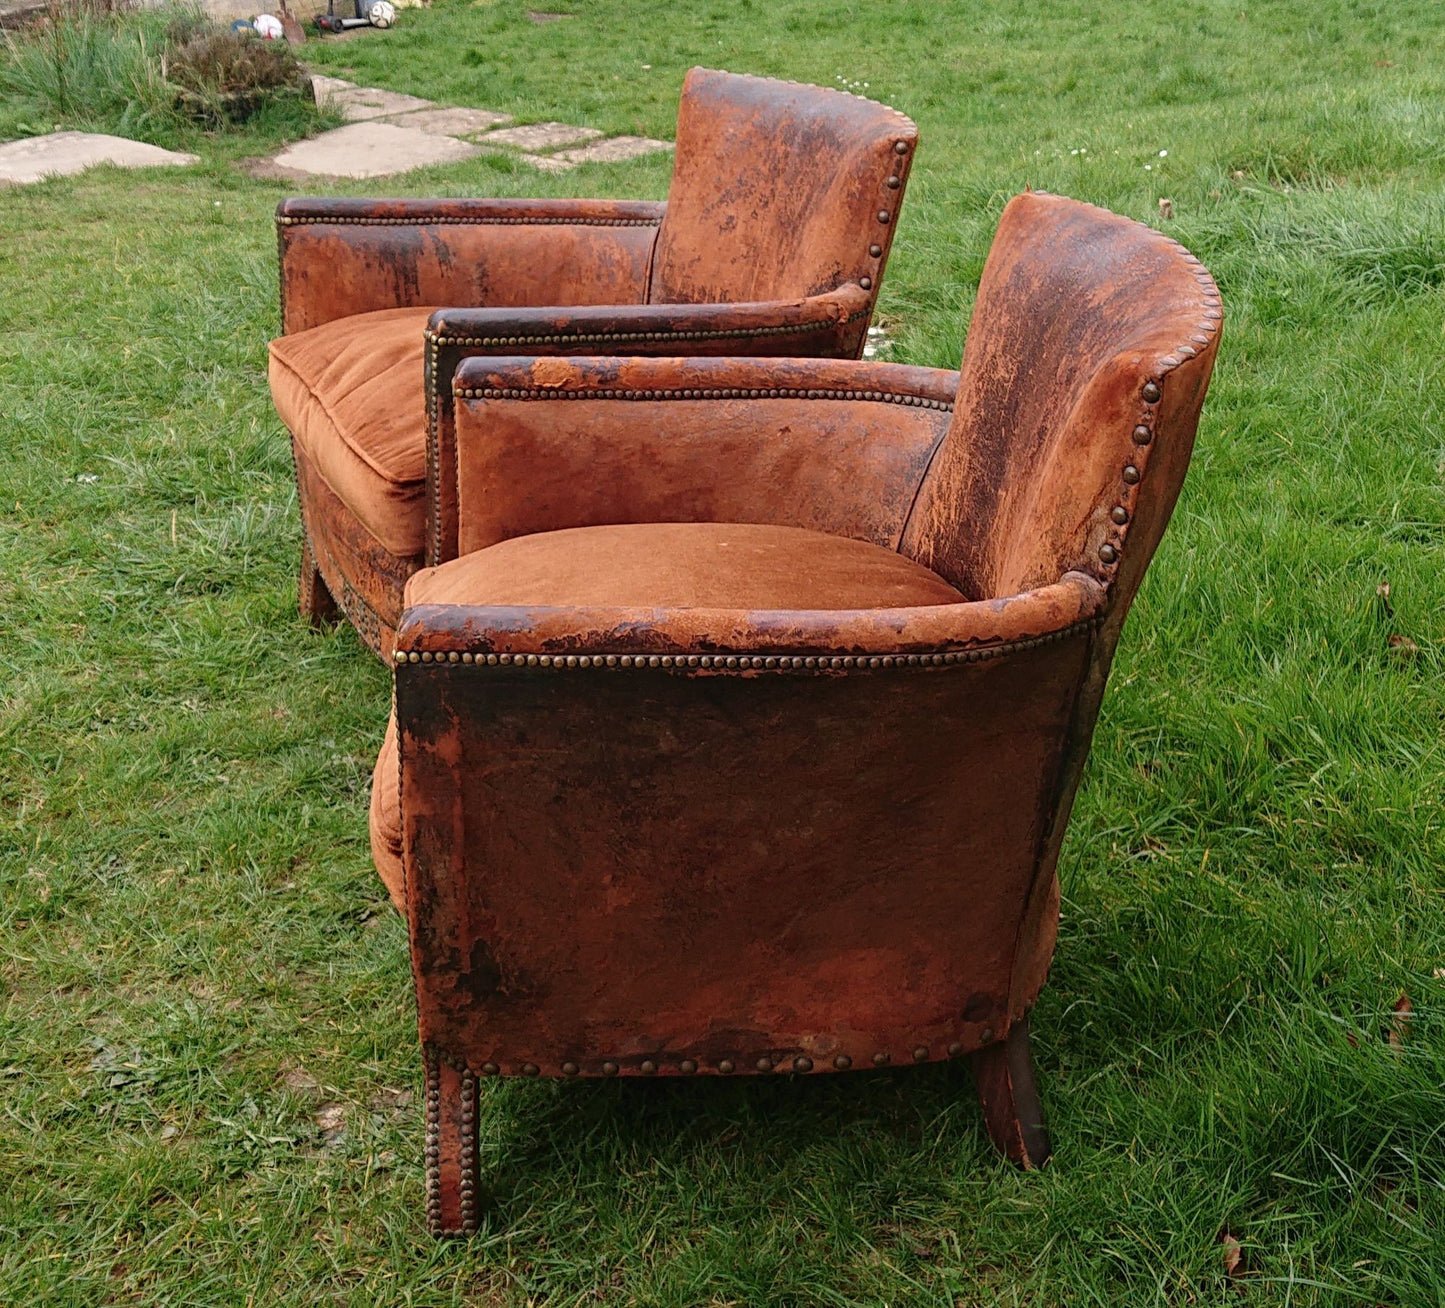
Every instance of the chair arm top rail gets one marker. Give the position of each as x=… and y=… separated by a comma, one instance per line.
x=301, y=210
x=740, y=640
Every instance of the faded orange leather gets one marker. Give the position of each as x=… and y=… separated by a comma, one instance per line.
x=773, y=241
x=647, y=836
x=385, y=819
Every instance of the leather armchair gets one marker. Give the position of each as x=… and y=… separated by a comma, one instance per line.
x=772, y=241
x=743, y=736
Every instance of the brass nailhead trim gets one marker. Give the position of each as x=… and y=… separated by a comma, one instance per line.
x=842, y=1062
x=1151, y=390
x=1119, y=514
x=717, y=393
x=920, y=1053
x=955, y=1049
x=457, y=220
x=875, y=250
x=1142, y=435
x=607, y=338
x=865, y=282
x=687, y=1067
x=986, y=1034
x=531, y=1069
x=894, y=183
x=765, y=1065
x=880, y=1060
x=490, y=1069
x=1108, y=553
x=726, y=1066
x=647, y=1067
x=751, y=662
x=802, y=1064
x=884, y=215
x=900, y=147
x=1131, y=474
x=569, y=1069
x=609, y=1069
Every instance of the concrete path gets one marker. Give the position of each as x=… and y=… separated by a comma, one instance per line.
x=57, y=154
x=389, y=133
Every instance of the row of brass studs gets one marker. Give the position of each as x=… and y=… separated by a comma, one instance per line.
x=433, y=1140
x=622, y=338
x=747, y=662
x=727, y=1066
x=458, y=220
x=893, y=182
x=725, y=393
x=468, y=1160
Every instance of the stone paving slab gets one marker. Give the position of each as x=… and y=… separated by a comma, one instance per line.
x=449, y=122
x=371, y=149
x=59, y=154
x=613, y=150
x=542, y=136
x=360, y=103
x=323, y=88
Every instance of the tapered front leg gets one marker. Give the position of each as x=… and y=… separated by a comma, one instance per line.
x=451, y=1145
x=1004, y=1073
x=315, y=601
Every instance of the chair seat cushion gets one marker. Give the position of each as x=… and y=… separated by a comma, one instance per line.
x=353, y=394
x=385, y=820
x=713, y=565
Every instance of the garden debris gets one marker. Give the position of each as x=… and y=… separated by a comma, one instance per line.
x=1402, y=647
x=331, y=1122
x=1234, y=1265
x=1166, y=207
x=1400, y=1024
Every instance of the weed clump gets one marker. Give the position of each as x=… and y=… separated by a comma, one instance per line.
x=225, y=76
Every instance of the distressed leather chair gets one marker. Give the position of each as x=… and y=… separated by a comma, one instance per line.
x=743, y=736
x=772, y=241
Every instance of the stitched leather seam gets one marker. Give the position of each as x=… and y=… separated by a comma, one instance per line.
x=751, y=662
x=443, y=220
x=726, y=393
x=588, y=338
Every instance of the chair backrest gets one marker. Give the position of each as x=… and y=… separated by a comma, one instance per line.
x=1085, y=367
x=779, y=191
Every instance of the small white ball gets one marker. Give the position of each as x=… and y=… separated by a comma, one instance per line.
x=381, y=13
x=267, y=26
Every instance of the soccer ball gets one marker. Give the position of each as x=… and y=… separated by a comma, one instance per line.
x=268, y=27
x=381, y=13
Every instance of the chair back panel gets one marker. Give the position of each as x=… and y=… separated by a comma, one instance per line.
x=779, y=190
x=1091, y=344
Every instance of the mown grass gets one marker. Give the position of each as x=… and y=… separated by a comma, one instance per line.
x=198, y=964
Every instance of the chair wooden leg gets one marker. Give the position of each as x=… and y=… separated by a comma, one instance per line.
x=316, y=604
x=1004, y=1073
x=451, y=1146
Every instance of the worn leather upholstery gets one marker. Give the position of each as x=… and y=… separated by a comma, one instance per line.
x=689, y=565
x=655, y=822
x=772, y=241
x=676, y=808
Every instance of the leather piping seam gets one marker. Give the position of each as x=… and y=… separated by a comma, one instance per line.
x=590, y=338
x=441, y=220
x=751, y=662
x=722, y=393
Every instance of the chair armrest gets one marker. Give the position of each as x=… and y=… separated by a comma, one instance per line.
x=817, y=326
x=544, y=444
x=728, y=640
x=340, y=257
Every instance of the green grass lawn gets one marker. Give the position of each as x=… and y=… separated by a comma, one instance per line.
x=209, y=1081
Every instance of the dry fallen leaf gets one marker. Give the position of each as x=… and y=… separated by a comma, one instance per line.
x=331, y=1122
x=1233, y=1253
x=1403, y=647
x=1400, y=1023
x=1166, y=207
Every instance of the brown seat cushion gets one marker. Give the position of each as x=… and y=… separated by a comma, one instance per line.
x=352, y=393
x=714, y=565
x=666, y=564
